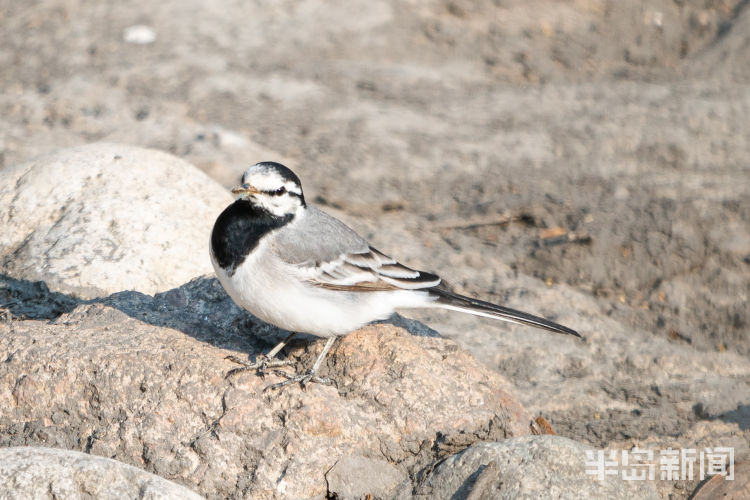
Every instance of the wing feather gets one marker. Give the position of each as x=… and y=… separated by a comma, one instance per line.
x=331, y=255
x=368, y=271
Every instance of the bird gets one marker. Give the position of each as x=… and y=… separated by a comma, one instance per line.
x=300, y=269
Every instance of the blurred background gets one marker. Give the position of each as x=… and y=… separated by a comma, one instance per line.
x=584, y=159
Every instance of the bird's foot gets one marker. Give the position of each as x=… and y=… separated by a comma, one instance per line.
x=260, y=366
x=302, y=379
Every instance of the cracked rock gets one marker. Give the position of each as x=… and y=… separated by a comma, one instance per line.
x=141, y=379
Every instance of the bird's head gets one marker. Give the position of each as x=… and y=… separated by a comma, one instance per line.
x=272, y=187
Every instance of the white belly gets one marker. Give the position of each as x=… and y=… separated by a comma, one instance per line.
x=275, y=292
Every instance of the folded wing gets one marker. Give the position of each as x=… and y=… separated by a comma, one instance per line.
x=369, y=271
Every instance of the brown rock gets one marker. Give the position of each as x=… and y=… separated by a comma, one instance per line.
x=719, y=486
x=141, y=379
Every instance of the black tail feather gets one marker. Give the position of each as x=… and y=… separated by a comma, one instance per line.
x=453, y=300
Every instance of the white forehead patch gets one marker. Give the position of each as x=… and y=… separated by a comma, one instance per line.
x=267, y=178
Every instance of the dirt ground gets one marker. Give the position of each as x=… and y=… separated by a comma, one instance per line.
x=597, y=145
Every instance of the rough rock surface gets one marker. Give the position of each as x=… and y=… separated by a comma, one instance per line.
x=39, y=473
x=142, y=379
x=709, y=433
x=528, y=467
x=101, y=218
x=354, y=477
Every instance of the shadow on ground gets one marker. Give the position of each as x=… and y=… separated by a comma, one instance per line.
x=200, y=308
x=740, y=416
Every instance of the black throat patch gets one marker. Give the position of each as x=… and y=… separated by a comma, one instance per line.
x=238, y=230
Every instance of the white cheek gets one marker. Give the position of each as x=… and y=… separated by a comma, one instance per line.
x=278, y=205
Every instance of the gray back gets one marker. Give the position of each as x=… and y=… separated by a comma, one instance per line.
x=316, y=238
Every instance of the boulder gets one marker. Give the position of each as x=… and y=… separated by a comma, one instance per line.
x=102, y=218
x=527, y=467
x=36, y=472
x=142, y=379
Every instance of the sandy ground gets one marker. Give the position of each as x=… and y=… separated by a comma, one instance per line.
x=599, y=147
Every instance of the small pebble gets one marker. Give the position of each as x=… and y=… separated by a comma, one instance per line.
x=139, y=34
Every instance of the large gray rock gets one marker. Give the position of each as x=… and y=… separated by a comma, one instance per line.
x=102, y=218
x=142, y=379
x=528, y=467
x=49, y=473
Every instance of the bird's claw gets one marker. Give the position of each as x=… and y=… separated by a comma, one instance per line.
x=261, y=365
x=301, y=379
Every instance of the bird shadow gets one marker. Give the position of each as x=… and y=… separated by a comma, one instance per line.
x=739, y=416
x=199, y=308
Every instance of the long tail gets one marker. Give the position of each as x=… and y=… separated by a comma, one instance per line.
x=448, y=299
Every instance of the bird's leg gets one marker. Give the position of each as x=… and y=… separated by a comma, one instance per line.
x=310, y=376
x=263, y=361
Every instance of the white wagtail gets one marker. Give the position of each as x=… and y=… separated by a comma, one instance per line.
x=302, y=270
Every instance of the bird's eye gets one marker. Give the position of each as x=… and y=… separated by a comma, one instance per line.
x=280, y=191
